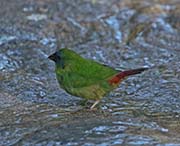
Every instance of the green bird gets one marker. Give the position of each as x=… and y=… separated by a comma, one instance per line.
x=86, y=78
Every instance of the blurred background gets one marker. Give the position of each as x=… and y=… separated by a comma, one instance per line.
x=124, y=34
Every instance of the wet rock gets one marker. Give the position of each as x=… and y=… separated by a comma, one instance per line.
x=37, y=17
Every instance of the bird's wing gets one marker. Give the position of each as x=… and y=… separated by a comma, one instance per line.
x=90, y=72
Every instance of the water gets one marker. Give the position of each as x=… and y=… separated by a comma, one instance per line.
x=143, y=110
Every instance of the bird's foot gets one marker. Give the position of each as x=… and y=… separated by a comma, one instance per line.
x=95, y=103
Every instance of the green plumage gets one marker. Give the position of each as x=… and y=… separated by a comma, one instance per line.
x=82, y=77
x=86, y=78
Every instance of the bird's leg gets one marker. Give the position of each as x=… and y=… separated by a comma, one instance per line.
x=95, y=103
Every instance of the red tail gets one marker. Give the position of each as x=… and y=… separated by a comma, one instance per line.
x=117, y=78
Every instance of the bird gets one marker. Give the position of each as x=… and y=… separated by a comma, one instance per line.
x=87, y=78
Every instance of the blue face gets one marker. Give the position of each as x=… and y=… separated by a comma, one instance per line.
x=57, y=58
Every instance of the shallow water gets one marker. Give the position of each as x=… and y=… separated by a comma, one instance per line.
x=143, y=110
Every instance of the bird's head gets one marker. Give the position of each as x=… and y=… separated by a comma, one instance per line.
x=63, y=56
x=58, y=58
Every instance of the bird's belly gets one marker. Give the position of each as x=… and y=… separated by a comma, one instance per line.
x=93, y=92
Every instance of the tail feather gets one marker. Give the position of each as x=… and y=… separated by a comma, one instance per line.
x=120, y=76
x=124, y=74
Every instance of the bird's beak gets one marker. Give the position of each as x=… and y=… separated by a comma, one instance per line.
x=52, y=57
